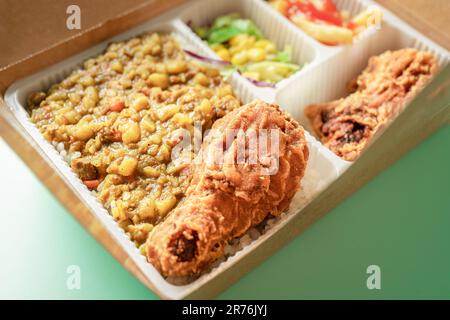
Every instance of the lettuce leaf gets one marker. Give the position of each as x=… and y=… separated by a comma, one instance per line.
x=222, y=35
x=226, y=27
x=248, y=27
x=225, y=21
x=285, y=55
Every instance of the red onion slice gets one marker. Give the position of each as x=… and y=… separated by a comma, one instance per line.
x=261, y=84
x=206, y=59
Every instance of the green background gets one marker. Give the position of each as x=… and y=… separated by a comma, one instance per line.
x=399, y=221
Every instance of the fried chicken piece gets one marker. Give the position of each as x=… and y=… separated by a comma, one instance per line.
x=380, y=93
x=227, y=196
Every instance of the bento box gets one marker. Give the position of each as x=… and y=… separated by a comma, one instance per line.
x=323, y=75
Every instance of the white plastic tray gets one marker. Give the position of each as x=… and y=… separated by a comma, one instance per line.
x=323, y=79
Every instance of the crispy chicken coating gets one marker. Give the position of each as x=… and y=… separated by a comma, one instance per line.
x=225, y=198
x=380, y=93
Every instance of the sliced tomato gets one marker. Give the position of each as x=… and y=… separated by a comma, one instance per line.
x=329, y=6
x=351, y=25
x=331, y=44
x=308, y=8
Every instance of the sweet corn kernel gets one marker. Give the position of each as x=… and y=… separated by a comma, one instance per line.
x=127, y=166
x=270, y=48
x=158, y=80
x=117, y=66
x=151, y=172
x=146, y=227
x=224, y=54
x=167, y=112
x=148, y=125
x=90, y=98
x=217, y=47
x=132, y=133
x=204, y=107
x=236, y=40
x=72, y=116
x=139, y=102
x=118, y=211
x=155, y=139
x=74, y=98
x=163, y=153
x=224, y=91
x=147, y=208
x=176, y=66
x=125, y=82
x=110, y=55
x=256, y=54
x=240, y=58
x=165, y=205
x=201, y=79
x=57, y=96
x=262, y=43
x=86, y=81
x=83, y=132
x=151, y=48
x=182, y=119
x=175, y=168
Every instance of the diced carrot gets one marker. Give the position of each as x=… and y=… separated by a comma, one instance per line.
x=92, y=184
x=309, y=9
x=145, y=91
x=117, y=136
x=117, y=106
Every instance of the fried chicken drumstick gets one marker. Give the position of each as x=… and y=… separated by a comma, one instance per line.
x=389, y=82
x=226, y=198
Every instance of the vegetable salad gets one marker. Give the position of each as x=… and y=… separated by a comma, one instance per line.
x=240, y=42
x=323, y=21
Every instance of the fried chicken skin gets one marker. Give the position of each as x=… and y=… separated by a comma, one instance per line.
x=378, y=95
x=227, y=197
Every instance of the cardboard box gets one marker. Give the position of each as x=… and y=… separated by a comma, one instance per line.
x=57, y=43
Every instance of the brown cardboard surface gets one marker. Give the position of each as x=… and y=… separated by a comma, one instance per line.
x=33, y=33
x=431, y=17
x=29, y=26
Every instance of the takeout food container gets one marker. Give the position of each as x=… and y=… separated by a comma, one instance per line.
x=328, y=179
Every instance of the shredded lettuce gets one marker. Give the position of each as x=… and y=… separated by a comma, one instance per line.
x=285, y=55
x=227, y=71
x=272, y=71
x=226, y=27
x=222, y=35
x=248, y=27
x=225, y=21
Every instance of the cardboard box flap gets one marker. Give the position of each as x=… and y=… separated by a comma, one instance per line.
x=38, y=36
